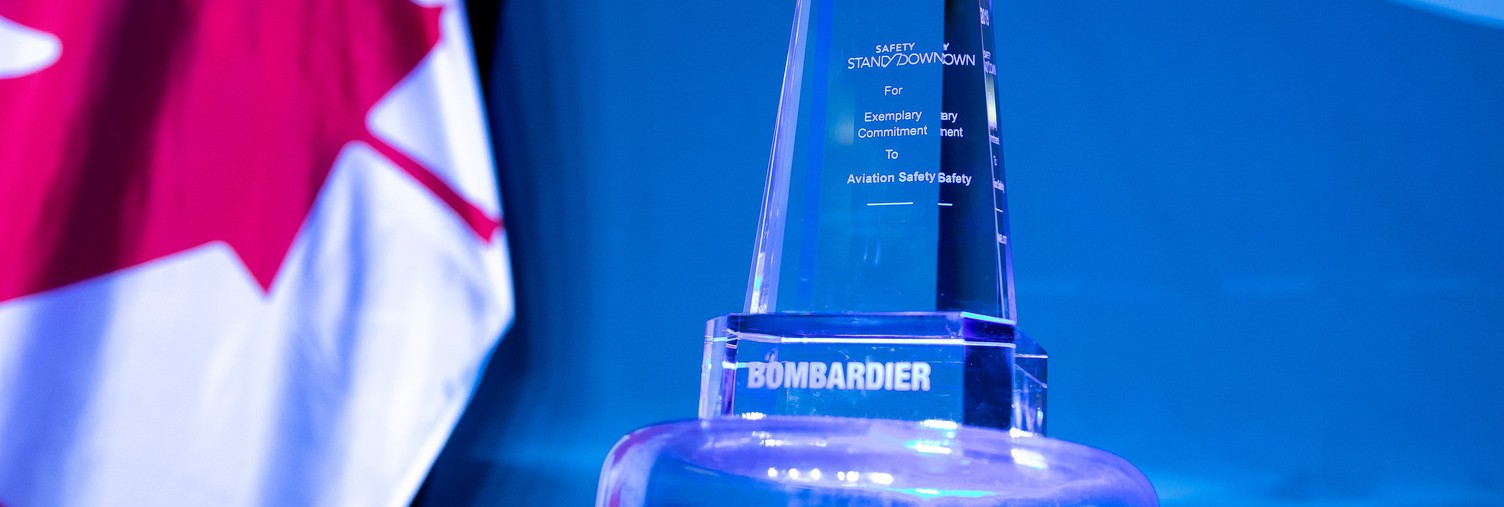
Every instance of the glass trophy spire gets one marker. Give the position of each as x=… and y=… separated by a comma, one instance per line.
x=885, y=188
x=881, y=284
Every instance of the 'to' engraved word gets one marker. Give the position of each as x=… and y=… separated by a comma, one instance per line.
x=870, y=375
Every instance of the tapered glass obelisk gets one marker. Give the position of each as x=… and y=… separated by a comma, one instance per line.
x=881, y=284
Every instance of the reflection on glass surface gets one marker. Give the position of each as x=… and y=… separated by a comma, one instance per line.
x=876, y=462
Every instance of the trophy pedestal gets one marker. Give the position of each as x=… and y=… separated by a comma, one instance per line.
x=941, y=366
x=860, y=462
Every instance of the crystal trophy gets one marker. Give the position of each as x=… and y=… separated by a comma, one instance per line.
x=881, y=285
x=877, y=360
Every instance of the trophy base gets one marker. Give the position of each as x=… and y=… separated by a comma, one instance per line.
x=948, y=366
x=860, y=462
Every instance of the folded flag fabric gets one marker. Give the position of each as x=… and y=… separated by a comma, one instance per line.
x=251, y=251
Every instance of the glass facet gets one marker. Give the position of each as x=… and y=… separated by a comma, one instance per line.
x=885, y=188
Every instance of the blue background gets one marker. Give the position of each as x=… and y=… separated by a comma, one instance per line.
x=1260, y=239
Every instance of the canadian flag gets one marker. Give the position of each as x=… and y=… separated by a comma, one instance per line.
x=251, y=251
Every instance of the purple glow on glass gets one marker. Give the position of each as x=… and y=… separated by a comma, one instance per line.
x=765, y=460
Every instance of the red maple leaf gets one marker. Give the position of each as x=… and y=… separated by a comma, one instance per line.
x=168, y=124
